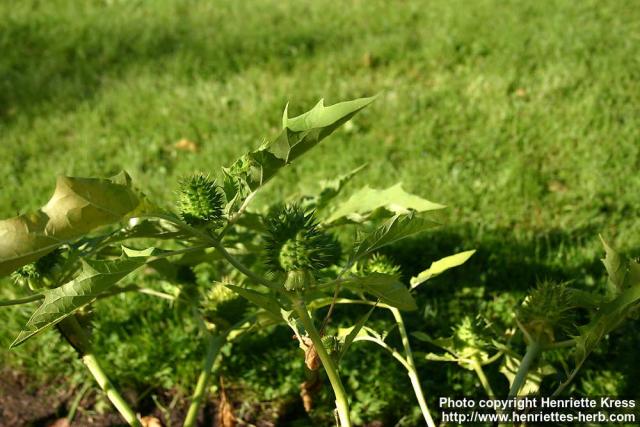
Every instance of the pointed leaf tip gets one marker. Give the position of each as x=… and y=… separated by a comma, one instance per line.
x=440, y=266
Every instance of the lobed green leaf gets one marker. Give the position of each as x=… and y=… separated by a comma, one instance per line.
x=95, y=278
x=622, y=274
x=370, y=202
x=609, y=316
x=78, y=206
x=299, y=135
x=386, y=287
x=624, y=277
x=391, y=231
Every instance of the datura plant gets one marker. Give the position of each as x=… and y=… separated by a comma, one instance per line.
x=287, y=264
x=291, y=263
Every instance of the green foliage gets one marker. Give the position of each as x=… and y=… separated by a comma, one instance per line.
x=299, y=135
x=386, y=287
x=440, y=266
x=297, y=249
x=284, y=261
x=78, y=206
x=380, y=203
x=96, y=278
x=264, y=301
x=330, y=189
x=624, y=276
x=396, y=228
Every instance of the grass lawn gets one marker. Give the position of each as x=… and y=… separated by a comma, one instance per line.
x=523, y=117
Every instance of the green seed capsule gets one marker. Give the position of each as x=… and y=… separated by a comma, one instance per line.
x=331, y=344
x=200, y=201
x=547, y=310
x=295, y=245
x=222, y=305
x=382, y=264
x=298, y=280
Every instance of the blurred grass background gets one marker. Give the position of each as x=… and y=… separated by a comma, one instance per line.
x=523, y=117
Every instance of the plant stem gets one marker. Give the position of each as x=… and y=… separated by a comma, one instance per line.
x=561, y=344
x=238, y=214
x=413, y=373
x=108, y=388
x=477, y=367
x=24, y=300
x=241, y=267
x=80, y=341
x=342, y=403
x=533, y=351
x=214, y=344
x=76, y=402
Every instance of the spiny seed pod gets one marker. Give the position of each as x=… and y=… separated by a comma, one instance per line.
x=223, y=306
x=331, y=344
x=200, y=201
x=295, y=244
x=219, y=294
x=467, y=334
x=547, y=309
x=469, y=344
x=381, y=264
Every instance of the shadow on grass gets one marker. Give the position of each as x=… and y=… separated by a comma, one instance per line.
x=505, y=260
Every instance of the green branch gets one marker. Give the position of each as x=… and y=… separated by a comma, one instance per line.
x=76, y=335
x=413, y=372
x=24, y=300
x=214, y=344
x=342, y=403
x=533, y=351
